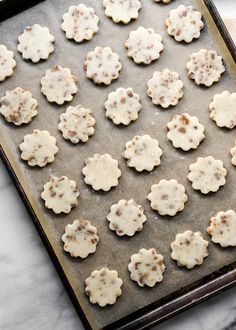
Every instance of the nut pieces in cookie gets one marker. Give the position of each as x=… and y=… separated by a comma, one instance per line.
x=7, y=62
x=122, y=11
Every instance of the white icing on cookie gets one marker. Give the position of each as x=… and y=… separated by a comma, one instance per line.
x=122, y=10
x=7, y=62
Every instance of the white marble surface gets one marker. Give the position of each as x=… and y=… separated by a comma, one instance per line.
x=32, y=295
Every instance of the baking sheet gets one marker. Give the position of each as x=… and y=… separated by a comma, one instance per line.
x=158, y=231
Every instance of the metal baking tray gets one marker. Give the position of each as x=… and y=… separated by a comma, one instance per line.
x=137, y=308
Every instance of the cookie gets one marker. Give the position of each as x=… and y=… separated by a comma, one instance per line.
x=80, y=238
x=233, y=154
x=36, y=43
x=144, y=45
x=126, y=217
x=185, y=132
x=142, y=153
x=60, y=194
x=103, y=287
x=223, y=109
x=101, y=172
x=146, y=267
x=7, y=62
x=38, y=148
x=18, y=106
x=207, y=174
x=184, y=23
x=189, y=249
x=80, y=23
x=223, y=228
x=165, y=88
x=102, y=65
x=59, y=85
x=167, y=197
x=123, y=106
x=205, y=67
x=77, y=124
x=122, y=11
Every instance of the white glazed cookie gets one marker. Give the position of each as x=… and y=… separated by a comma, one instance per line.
x=233, y=154
x=101, y=172
x=59, y=85
x=80, y=23
x=80, y=238
x=38, y=148
x=122, y=10
x=185, y=131
x=103, y=287
x=123, y=106
x=126, y=217
x=223, y=228
x=146, y=267
x=167, y=197
x=144, y=45
x=77, y=124
x=7, y=62
x=184, y=23
x=60, y=194
x=189, y=249
x=207, y=174
x=102, y=65
x=205, y=67
x=223, y=109
x=142, y=153
x=36, y=43
x=18, y=106
x=165, y=88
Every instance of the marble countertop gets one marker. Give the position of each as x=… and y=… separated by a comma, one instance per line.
x=32, y=295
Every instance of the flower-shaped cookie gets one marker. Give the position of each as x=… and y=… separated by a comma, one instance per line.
x=122, y=11
x=18, y=106
x=142, y=153
x=59, y=85
x=38, y=148
x=103, y=287
x=80, y=238
x=207, y=174
x=165, y=88
x=80, y=23
x=60, y=194
x=233, y=154
x=101, y=172
x=77, y=124
x=7, y=62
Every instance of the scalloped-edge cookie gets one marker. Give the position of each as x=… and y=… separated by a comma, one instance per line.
x=36, y=43
x=146, y=267
x=80, y=23
x=103, y=287
x=144, y=45
x=38, y=148
x=60, y=194
x=122, y=11
x=59, y=85
x=102, y=65
x=184, y=23
x=189, y=249
x=7, y=62
x=205, y=67
x=222, y=228
x=101, y=172
x=223, y=109
x=167, y=197
x=18, y=106
x=142, y=153
x=80, y=238
x=185, y=132
x=165, y=88
x=126, y=217
x=207, y=174
x=77, y=124
x=233, y=154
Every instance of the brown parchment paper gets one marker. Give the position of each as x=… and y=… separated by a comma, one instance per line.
x=158, y=231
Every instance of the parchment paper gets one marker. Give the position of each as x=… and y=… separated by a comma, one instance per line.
x=158, y=231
